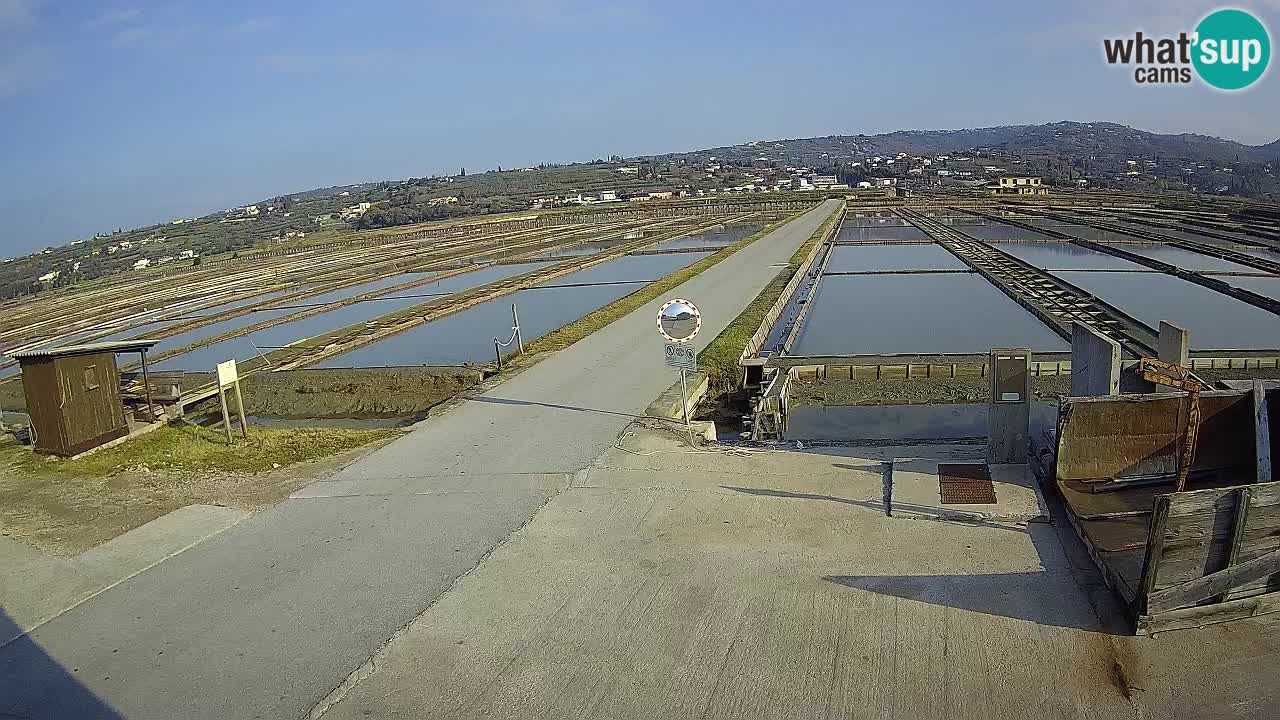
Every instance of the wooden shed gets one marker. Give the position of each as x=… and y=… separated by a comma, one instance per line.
x=74, y=395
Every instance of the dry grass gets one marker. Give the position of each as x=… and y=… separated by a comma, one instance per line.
x=189, y=447
x=68, y=506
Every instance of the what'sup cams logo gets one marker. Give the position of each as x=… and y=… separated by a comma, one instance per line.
x=1229, y=50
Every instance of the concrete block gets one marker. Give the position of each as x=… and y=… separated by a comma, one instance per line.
x=1095, y=362
x=1175, y=344
x=668, y=405
x=704, y=429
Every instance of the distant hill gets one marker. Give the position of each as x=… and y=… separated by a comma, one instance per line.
x=1063, y=153
x=1082, y=140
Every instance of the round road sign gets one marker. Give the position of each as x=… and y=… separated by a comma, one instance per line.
x=679, y=320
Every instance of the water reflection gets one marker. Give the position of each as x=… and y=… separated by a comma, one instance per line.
x=878, y=258
x=1216, y=321
x=723, y=236
x=467, y=337
x=1186, y=259
x=242, y=348
x=1065, y=256
x=1265, y=286
x=1002, y=231
x=850, y=233
x=934, y=313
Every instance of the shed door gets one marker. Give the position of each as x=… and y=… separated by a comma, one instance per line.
x=91, y=386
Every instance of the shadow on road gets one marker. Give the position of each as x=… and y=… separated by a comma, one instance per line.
x=1035, y=597
x=1041, y=597
x=35, y=685
x=872, y=505
x=767, y=492
x=508, y=401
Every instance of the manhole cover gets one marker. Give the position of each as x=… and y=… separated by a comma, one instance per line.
x=966, y=484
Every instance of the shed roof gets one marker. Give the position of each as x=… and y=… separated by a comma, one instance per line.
x=88, y=349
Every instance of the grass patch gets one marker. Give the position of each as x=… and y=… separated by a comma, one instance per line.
x=720, y=358
x=590, y=323
x=192, y=448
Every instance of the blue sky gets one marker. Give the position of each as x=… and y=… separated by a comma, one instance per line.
x=118, y=114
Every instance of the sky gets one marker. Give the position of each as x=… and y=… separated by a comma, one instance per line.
x=120, y=114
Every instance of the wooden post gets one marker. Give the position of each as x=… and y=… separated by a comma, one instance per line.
x=244, y=422
x=226, y=416
x=1240, y=516
x=1155, y=549
x=146, y=387
x=1262, y=431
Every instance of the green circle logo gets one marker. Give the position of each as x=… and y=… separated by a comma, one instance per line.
x=1232, y=49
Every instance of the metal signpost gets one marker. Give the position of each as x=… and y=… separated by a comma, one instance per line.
x=229, y=376
x=679, y=322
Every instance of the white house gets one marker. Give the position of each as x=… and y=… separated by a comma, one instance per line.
x=49, y=276
x=142, y=264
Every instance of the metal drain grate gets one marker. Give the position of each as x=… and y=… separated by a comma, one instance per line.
x=966, y=484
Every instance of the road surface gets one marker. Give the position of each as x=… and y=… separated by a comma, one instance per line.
x=267, y=618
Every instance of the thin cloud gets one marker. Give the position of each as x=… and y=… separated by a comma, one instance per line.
x=18, y=14
x=25, y=68
x=254, y=24
x=11, y=74
x=1153, y=17
x=154, y=36
x=115, y=17
x=558, y=14
x=330, y=62
x=132, y=36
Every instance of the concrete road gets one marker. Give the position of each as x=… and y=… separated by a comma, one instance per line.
x=269, y=617
x=671, y=584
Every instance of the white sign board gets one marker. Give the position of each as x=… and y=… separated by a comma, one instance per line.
x=227, y=373
x=682, y=356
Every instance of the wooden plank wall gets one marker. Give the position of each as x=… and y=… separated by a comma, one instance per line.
x=44, y=399
x=1201, y=532
x=90, y=414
